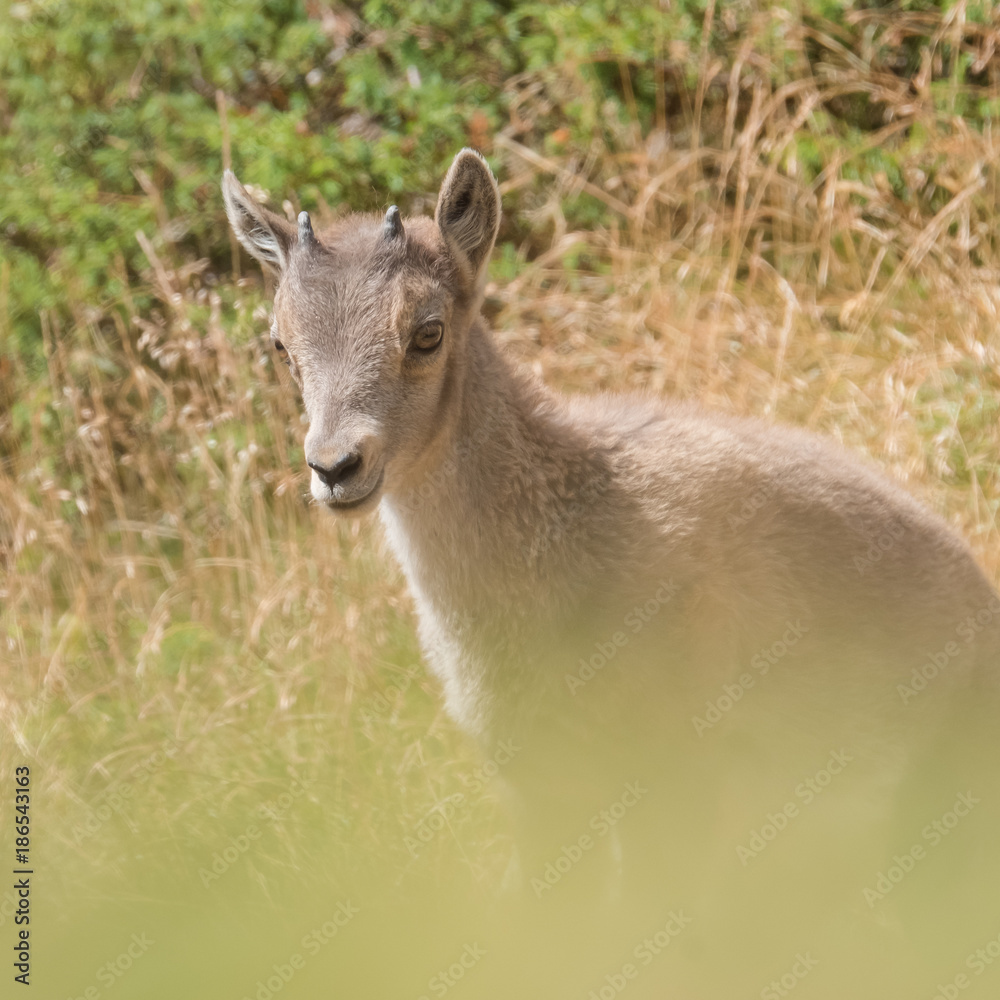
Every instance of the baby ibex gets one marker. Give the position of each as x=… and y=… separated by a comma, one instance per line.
x=629, y=590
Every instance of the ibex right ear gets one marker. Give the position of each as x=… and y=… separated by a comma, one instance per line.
x=267, y=236
x=468, y=214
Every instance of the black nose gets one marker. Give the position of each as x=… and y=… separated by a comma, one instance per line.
x=345, y=468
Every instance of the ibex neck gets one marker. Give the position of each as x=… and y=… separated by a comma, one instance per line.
x=468, y=532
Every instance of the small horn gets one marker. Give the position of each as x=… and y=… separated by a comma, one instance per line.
x=393, y=225
x=307, y=237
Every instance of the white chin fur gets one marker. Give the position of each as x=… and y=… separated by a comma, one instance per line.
x=321, y=493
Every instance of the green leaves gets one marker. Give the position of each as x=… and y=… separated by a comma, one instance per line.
x=111, y=115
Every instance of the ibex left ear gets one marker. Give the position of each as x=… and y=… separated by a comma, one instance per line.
x=468, y=215
x=266, y=235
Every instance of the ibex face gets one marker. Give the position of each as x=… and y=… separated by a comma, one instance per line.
x=372, y=318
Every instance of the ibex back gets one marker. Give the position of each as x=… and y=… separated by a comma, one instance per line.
x=629, y=589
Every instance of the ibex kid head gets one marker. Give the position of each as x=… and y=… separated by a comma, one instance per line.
x=372, y=318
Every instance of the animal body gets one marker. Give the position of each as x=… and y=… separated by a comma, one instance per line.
x=691, y=611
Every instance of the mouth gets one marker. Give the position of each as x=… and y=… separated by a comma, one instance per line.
x=342, y=506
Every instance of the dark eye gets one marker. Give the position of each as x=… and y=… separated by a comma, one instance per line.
x=428, y=336
x=280, y=348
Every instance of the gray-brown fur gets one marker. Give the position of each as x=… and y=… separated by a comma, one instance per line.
x=528, y=523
